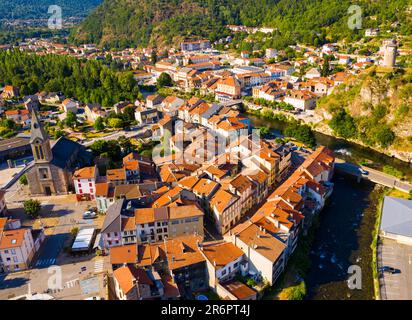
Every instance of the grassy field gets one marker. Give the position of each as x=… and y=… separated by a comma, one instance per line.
x=398, y=194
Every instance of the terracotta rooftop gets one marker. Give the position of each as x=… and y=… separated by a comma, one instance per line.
x=126, y=276
x=85, y=173
x=180, y=252
x=123, y=254
x=239, y=290
x=116, y=174
x=221, y=254
x=12, y=238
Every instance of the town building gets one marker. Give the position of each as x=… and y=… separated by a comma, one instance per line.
x=17, y=247
x=54, y=164
x=84, y=181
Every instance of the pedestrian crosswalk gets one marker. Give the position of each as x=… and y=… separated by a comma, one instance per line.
x=98, y=266
x=45, y=262
x=71, y=283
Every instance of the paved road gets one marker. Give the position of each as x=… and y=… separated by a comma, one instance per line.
x=373, y=175
x=114, y=136
x=399, y=256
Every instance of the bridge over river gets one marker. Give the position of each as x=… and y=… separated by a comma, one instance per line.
x=362, y=172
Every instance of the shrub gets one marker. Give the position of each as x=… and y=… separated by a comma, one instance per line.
x=23, y=180
x=297, y=292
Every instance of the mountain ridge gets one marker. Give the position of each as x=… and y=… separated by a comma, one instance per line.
x=122, y=23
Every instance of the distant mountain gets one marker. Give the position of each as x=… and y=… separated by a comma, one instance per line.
x=29, y=9
x=123, y=23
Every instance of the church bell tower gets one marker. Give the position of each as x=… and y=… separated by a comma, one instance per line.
x=40, y=142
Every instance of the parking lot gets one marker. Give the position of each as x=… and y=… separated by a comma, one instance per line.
x=81, y=276
x=397, y=286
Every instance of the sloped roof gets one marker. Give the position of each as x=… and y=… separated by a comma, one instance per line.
x=397, y=216
x=64, y=148
x=112, y=221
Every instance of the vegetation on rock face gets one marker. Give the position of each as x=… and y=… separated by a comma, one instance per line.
x=87, y=81
x=124, y=23
x=373, y=109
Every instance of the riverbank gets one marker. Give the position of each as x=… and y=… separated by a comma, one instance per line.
x=342, y=235
x=347, y=150
x=318, y=126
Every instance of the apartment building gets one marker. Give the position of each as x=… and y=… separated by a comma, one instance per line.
x=226, y=210
x=84, y=181
x=228, y=89
x=264, y=252
x=135, y=283
x=156, y=224
x=16, y=246
x=223, y=261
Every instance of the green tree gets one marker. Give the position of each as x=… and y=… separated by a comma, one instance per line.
x=385, y=136
x=71, y=119
x=98, y=124
x=115, y=123
x=343, y=124
x=164, y=80
x=32, y=207
x=264, y=131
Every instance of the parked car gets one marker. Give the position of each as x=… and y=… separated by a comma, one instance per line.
x=363, y=171
x=89, y=215
x=390, y=270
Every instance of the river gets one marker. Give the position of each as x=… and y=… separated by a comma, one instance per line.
x=344, y=236
x=343, y=239
x=353, y=152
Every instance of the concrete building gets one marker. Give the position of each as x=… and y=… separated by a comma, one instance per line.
x=17, y=246
x=396, y=221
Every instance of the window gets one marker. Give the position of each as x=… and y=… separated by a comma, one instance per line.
x=15, y=259
x=43, y=173
x=80, y=191
x=175, y=222
x=13, y=251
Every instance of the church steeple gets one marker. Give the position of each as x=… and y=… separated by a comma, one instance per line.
x=39, y=141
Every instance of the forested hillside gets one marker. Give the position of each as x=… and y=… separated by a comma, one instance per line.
x=87, y=81
x=121, y=23
x=36, y=9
